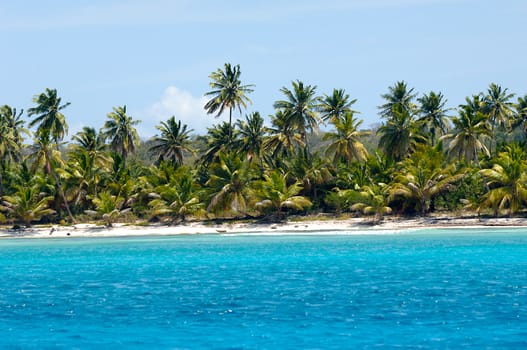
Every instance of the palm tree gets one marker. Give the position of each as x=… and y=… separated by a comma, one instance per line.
x=179, y=197
x=346, y=140
x=10, y=140
x=227, y=92
x=46, y=154
x=467, y=138
x=433, y=115
x=373, y=200
x=310, y=170
x=217, y=140
x=27, y=204
x=251, y=136
x=49, y=117
x=229, y=185
x=284, y=137
x=399, y=98
x=421, y=180
x=333, y=107
x=274, y=195
x=173, y=142
x=88, y=162
x=507, y=180
x=108, y=206
x=498, y=106
x=11, y=122
x=520, y=117
x=120, y=130
x=399, y=135
x=300, y=107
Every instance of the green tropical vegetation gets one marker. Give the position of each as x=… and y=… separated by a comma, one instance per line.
x=312, y=155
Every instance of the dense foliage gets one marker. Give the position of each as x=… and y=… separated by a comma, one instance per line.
x=423, y=158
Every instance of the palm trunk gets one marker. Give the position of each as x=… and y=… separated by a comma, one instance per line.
x=230, y=126
x=61, y=193
x=59, y=187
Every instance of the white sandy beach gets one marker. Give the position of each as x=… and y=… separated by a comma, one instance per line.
x=345, y=226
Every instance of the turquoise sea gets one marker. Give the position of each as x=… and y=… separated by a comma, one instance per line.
x=424, y=289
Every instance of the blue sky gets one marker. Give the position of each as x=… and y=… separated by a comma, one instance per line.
x=155, y=56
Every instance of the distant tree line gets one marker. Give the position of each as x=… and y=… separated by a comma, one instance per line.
x=423, y=158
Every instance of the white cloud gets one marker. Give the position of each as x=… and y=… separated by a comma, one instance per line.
x=184, y=106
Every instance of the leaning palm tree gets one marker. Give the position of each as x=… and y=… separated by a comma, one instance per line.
x=333, y=107
x=300, y=106
x=507, y=180
x=120, y=130
x=49, y=118
x=346, y=139
x=227, y=92
x=432, y=113
x=398, y=98
x=173, y=142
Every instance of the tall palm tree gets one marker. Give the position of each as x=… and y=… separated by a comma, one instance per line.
x=251, y=136
x=9, y=142
x=300, y=107
x=398, y=98
x=333, y=107
x=400, y=134
x=507, y=180
x=227, y=92
x=120, y=130
x=467, y=139
x=13, y=122
x=498, y=106
x=49, y=117
x=173, y=142
x=432, y=113
x=346, y=140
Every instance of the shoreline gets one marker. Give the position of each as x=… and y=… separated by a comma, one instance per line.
x=349, y=226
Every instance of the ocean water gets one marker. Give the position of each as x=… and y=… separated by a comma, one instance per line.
x=423, y=289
